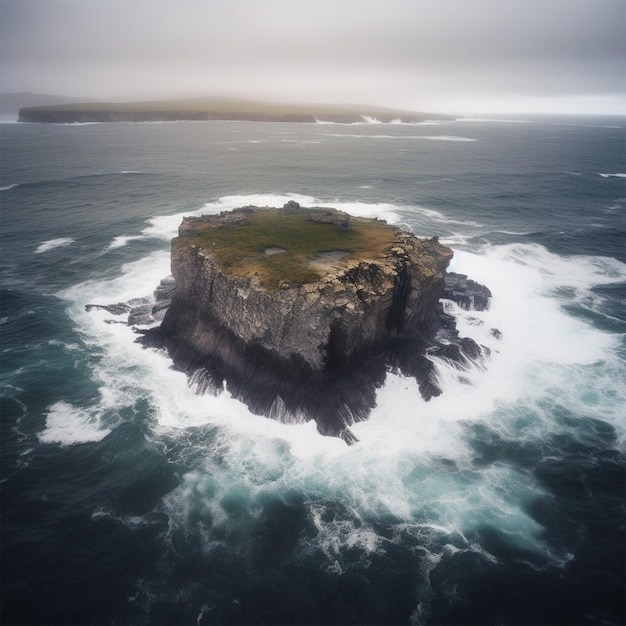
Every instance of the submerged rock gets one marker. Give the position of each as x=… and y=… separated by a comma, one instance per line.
x=299, y=338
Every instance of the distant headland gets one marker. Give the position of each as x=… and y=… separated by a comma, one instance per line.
x=230, y=109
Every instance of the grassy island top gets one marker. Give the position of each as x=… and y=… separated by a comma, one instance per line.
x=289, y=246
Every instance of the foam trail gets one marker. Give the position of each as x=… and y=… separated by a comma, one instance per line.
x=399, y=122
x=447, y=138
x=44, y=246
x=124, y=240
x=426, y=137
x=492, y=120
x=443, y=219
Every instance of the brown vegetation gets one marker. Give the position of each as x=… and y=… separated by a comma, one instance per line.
x=240, y=247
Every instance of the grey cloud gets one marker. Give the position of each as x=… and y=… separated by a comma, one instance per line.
x=386, y=50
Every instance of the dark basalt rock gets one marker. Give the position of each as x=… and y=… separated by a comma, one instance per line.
x=142, y=311
x=468, y=294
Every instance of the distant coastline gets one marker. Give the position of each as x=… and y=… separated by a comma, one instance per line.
x=217, y=109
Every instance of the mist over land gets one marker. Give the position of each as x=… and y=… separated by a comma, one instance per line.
x=202, y=109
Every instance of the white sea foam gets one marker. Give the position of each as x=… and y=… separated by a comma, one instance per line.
x=612, y=175
x=67, y=424
x=368, y=119
x=507, y=276
x=69, y=347
x=446, y=138
x=130, y=521
x=544, y=350
x=77, y=124
x=492, y=120
x=517, y=233
x=7, y=187
x=399, y=122
x=44, y=246
x=441, y=218
x=123, y=240
x=415, y=461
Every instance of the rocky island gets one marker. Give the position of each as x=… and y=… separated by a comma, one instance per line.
x=203, y=109
x=301, y=313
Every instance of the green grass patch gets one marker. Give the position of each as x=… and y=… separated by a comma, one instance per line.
x=240, y=250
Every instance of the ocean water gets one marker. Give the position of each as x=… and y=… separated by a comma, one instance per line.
x=127, y=498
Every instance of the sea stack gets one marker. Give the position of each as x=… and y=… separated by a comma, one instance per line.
x=302, y=312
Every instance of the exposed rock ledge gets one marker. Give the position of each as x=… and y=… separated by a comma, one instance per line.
x=311, y=336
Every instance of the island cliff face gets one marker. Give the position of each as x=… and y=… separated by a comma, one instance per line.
x=310, y=332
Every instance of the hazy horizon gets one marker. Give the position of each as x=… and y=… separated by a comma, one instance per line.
x=488, y=56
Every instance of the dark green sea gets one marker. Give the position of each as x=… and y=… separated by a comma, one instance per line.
x=127, y=498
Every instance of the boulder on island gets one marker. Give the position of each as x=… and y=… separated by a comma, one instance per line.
x=302, y=312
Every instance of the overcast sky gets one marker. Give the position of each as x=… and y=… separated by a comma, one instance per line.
x=458, y=56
